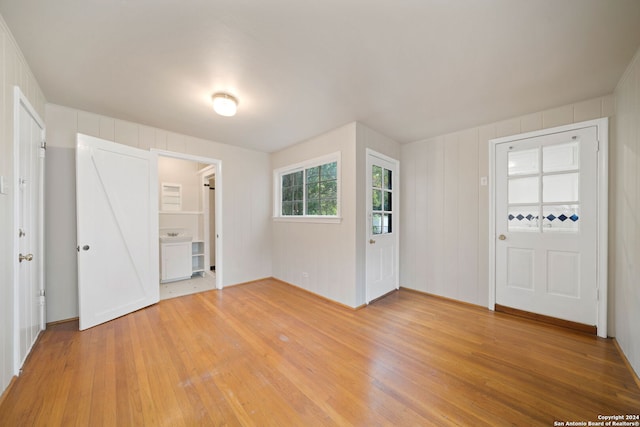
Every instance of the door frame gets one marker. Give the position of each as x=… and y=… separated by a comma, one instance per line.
x=21, y=101
x=218, y=199
x=602, y=188
x=396, y=213
x=205, y=175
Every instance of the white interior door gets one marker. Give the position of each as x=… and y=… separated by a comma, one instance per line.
x=117, y=213
x=382, y=219
x=29, y=294
x=546, y=223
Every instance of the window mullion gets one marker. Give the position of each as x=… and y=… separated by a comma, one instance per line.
x=304, y=192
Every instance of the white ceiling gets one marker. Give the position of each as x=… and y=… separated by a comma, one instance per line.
x=410, y=69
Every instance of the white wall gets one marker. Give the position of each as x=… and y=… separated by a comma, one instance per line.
x=445, y=211
x=326, y=252
x=333, y=255
x=246, y=230
x=624, y=228
x=185, y=173
x=14, y=70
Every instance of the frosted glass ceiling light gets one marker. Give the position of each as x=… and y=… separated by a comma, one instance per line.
x=224, y=104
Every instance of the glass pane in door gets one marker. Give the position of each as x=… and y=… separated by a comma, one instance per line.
x=377, y=223
x=524, y=190
x=561, y=218
x=562, y=157
x=387, y=179
x=560, y=188
x=376, y=177
x=523, y=218
x=523, y=162
x=376, y=199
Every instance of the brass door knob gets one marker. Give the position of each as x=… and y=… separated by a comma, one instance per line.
x=27, y=257
x=502, y=237
x=371, y=241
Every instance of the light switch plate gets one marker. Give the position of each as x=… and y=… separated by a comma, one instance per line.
x=483, y=181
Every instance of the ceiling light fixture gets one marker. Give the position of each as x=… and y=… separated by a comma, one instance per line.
x=224, y=104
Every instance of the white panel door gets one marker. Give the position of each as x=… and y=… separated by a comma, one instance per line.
x=546, y=225
x=117, y=212
x=382, y=219
x=29, y=255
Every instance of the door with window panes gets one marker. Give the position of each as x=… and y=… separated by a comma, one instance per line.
x=546, y=225
x=382, y=221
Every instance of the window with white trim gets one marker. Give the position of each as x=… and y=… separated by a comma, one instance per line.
x=309, y=189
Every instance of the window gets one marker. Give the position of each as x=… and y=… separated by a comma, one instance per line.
x=309, y=189
x=381, y=199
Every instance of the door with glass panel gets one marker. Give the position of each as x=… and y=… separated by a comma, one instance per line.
x=546, y=225
x=382, y=221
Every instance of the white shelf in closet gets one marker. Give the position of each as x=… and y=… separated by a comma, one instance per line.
x=197, y=257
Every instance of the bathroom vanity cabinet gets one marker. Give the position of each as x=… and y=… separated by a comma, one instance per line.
x=175, y=261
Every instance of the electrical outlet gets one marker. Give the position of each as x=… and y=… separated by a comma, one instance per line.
x=305, y=274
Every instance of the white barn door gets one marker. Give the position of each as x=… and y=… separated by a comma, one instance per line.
x=117, y=205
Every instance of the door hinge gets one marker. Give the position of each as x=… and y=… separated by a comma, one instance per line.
x=597, y=145
x=42, y=292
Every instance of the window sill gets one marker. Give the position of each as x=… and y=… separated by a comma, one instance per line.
x=309, y=219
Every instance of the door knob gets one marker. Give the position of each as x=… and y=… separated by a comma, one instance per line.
x=85, y=248
x=27, y=257
x=371, y=241
x=502, y=237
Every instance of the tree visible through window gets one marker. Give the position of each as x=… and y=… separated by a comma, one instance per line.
x=292, y=194
x=311, y=192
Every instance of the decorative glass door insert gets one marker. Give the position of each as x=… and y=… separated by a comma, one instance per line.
x=544, y=183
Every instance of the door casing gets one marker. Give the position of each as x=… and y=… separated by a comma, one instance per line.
x=602, y=126
x=217, y=166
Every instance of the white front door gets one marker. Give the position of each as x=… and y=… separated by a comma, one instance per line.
x=117, y=213
x=29, y=307
x=382, y=220
x=546, y=225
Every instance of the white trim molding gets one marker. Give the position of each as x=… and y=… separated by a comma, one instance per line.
x=277, y=190
x=217, y=164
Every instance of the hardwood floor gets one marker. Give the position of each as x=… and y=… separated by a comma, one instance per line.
x=269, y=354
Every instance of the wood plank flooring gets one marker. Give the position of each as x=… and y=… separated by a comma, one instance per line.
x=269, y=354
